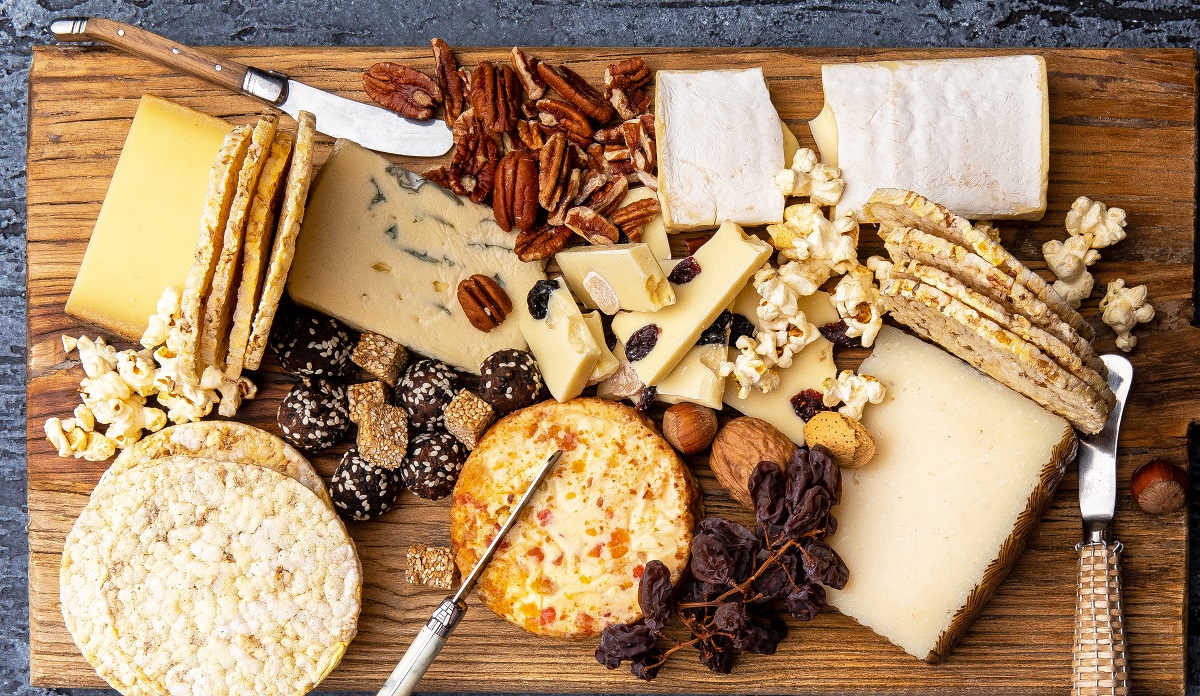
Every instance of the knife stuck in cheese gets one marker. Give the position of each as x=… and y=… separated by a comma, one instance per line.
x=972, y=133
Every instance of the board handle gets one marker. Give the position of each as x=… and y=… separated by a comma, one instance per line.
x=1100, y=663
x=226, y=73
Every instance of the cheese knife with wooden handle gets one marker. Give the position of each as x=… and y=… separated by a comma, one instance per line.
x=371, y=126
x=1100, y=662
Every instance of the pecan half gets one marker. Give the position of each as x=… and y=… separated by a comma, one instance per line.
x=439, y=176
x=531, y=80
x=402, y=89
x=648, y=180
x=623, y=83
x=484, y=302
x=515, y=198
x=530, y=134
x=495, y=97
x=448, y=80
x=594, y=181
x=610, y=136
x=639, y=143
x=694, y=243
x=541, y=243
x=576, y=90
x=606, y=199
x=591, y=225
x=633, y=217
x=558, y=115
x=473, y=167
x=558, y=211
x=553, y=170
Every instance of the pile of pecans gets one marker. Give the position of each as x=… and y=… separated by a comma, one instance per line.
x=553, y=155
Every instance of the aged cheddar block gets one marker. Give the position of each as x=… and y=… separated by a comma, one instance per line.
x=384, y=250
x=719, y=142
x=963, y=469
x=808, y=370
x=630, y=274
x=145, y=235
x=970, y=133
x=725, y=262
x=562, y=343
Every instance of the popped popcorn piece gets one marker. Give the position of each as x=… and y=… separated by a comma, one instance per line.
x=84, y=418
x=853, y=391
x=1123, y=308
x=881, y=267
x=986, y=227
x=1069, y=261
x=70, y=343
x=822, y=183
x=820, y=247
x=468, y=417
x=1100, y=225
x=167, y=312
x=749, y=369
x=74, y=441
x=137, y=369
x=97, y=357
x=859, y=304
x=185, y=400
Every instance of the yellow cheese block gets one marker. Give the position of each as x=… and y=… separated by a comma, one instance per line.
x=145, y=236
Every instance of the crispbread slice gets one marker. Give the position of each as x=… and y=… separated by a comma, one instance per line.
x=1017, y=323
x=914, y=210
x=995, y=351
x=907, y=243
x=256, y=247
x=222, y=184
x=284, y=248
x=218, y=306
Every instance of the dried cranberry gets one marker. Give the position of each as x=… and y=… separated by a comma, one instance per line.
x=641, y=342
x=808, y=403
x=718, y=332
x=685, y=271
x=835, y=333
x=741, y=326
x=539, y=298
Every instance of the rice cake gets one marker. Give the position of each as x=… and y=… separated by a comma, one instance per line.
x=225, y=441
x=618, y=498
x=197, y=576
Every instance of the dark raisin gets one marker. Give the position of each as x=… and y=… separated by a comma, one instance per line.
x=717, y=333
x=808, y=403
x=835, y=333
x=741, y=326
x=641, y=342
x=656, y=595
x=806, y=602
x=645, y=398
x=539, y=297
x=621, y=642
x=685, y=271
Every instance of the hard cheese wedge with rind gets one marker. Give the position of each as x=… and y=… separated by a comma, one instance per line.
x=384, y=250
x=963, y=469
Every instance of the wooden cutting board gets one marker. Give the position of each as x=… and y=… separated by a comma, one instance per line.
x=1123, y=130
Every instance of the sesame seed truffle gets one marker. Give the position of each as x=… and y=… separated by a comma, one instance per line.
x=313, y=416
x=362, y=491
x=433, y=464
x=312, y=345
x=426, y=388
x=510, y=379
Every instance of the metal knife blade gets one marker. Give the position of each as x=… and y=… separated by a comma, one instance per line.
x=1098, y=456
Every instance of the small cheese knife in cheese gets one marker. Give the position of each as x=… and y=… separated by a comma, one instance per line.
x=1100, y=663
x=370, y=126
x=429, y=642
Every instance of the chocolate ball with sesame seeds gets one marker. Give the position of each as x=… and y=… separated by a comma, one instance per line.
x=426, y=388
x=312, y=345
x=314, y=415
x=360, y=490
x=434, y=462
x=510, y=379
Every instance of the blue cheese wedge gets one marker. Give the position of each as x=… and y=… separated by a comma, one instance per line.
x=384, y=250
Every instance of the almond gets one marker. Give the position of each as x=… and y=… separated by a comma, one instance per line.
x=845, y=438
x=740, y=446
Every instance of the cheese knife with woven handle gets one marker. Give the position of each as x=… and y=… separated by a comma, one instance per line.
x=1100, y=663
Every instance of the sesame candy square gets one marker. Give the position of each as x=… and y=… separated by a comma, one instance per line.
x=380, y=356
x=468, y=417
x=432, y=566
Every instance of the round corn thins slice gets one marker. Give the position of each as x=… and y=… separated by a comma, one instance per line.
x=199, y=576
x=225, y=441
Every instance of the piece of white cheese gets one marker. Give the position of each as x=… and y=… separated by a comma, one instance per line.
x=561, y=342
x=808, y=370
x=719, y=145
x=963, y=469
x=630, y=274
x=969, y=133
x=606, y=362
x=384, y=250
x=654, y=233
x=725, y=263
x=697, y=378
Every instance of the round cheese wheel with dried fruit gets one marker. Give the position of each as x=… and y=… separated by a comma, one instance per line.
x=618, y=498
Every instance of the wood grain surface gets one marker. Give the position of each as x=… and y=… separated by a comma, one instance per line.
x=1123, y=130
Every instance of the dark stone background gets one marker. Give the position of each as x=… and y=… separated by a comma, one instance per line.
x=1083, y=23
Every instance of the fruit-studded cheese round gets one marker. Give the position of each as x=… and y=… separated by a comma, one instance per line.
x=618, y=498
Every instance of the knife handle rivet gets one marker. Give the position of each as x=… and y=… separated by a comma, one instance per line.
x=175, y=51
x=120, y=32
x=217, y=67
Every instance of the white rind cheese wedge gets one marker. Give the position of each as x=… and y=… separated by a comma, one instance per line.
x=719, y=142
x=384, y=250
x=808, y=370
x=562, y=342
x=963, y=469
x=970, y=133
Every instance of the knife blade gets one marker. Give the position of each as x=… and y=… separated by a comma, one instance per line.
x=1098, y=456
x=371, y=126
x=432, y=637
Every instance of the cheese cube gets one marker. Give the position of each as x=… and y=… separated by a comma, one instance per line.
x=384, y=250
x=631, y=275
x=726, y=262
x=561, y=342
x=969, y=133
x=606, y=363
x=719, y=145
x=145, y=236
x=963, y=469
x=808, y=369
x=654, y=233
x=697, y=378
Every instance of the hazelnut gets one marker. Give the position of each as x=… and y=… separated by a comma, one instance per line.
x=845, y=438
x=689, y=427
x=1159, y=487
x=740, y=446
